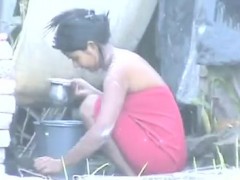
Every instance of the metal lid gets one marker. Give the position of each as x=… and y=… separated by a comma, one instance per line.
x=61, y=81
x=61, y=123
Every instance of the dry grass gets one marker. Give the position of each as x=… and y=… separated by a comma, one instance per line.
x=204, y=174
x=220, y=174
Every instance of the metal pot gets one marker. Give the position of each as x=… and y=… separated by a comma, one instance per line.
x=60, y=92
x=55, y=138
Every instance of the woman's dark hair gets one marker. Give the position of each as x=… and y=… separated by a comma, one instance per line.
x=78, y=26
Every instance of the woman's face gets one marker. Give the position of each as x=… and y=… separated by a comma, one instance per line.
x=87, y=59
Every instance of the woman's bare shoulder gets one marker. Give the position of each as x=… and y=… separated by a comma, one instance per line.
x=128, y=58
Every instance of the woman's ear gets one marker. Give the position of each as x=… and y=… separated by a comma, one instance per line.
x=92, y=47
x=93, y=50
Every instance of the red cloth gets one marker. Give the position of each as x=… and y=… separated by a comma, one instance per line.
x=150, y=131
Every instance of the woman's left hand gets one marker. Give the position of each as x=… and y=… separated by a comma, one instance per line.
x=48, y=165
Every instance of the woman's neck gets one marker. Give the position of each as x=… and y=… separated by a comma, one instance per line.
x=107, y=55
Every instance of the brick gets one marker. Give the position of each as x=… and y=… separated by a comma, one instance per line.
x=7, y=69
x=4, y=138
x=7, y=86
x=5, y=120
x=7, y=104
x=2, y=169
x=2, y=155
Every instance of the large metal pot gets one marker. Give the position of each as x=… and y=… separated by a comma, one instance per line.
x=55, y=138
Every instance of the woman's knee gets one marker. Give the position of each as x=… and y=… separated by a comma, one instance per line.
x=86, y=109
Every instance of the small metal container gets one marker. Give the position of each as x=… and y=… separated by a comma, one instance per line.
x=61, y=93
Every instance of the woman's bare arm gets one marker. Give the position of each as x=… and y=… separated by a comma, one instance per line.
x=115, y=90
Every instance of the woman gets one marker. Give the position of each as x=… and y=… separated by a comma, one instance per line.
x=135, y=120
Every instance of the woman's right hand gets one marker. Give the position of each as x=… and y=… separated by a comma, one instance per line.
x=82, y=88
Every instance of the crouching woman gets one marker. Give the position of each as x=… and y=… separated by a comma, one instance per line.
x=135, y=120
